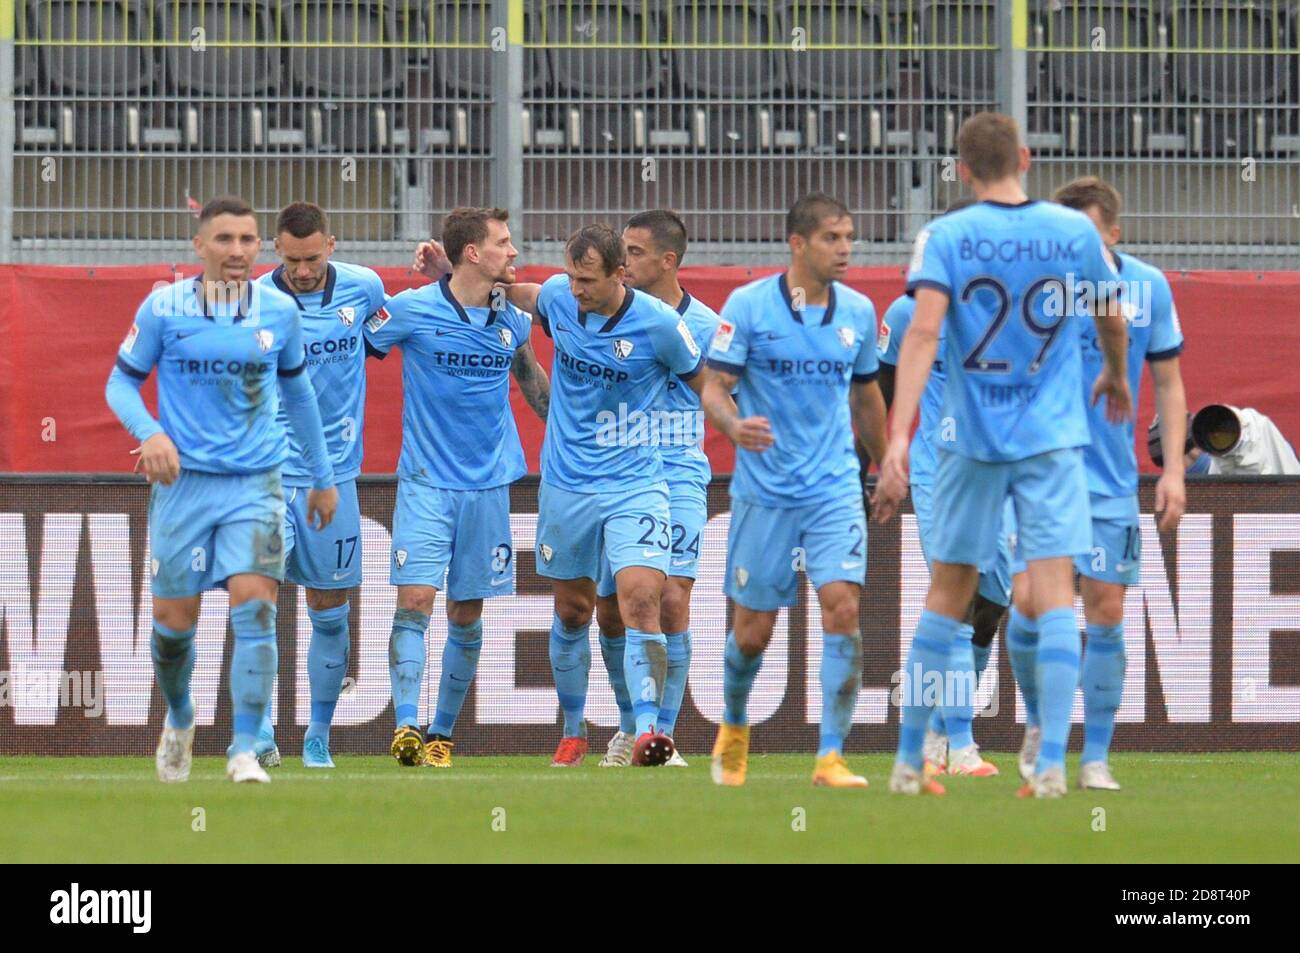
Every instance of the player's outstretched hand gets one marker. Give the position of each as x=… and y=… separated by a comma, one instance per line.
x=322, y=504
x=431, y=260
x=891, y=488
x=1171, y=500
x=752, y=433
x=158, y=459
x=1119, y=401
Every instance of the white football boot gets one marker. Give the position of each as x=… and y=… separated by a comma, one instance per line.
x=1049, y=784
x=244, y=767
x=1095, y=775
x=1033, y=740
x=619, y=752
x=676, y=761
x=174, y=754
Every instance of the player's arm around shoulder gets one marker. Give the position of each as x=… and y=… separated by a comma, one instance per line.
x=528, y=371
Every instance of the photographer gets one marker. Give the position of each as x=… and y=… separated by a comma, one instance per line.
x=1230, y=441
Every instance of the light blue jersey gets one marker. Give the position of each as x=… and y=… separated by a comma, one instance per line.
x=458, y=432
x=898, y=317
x=685, y=460
x=332, y=319
x=609, y=385
x=1018, y=277
x=1154, y=335
x=217, y=367
x=795, y=369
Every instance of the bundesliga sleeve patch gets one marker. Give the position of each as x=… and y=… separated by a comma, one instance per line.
x=685, y=332
x=882, y=339
x=722, y=337
x=377, y=320
x=129, y=341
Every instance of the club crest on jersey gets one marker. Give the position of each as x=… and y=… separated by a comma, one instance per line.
x=377, y=320
x=848, y=337
x=505, y=336
x=265, y=339
x=546, y=552
x=622, y=349
x=742, y=576
x=347, y=315
x=399, y=556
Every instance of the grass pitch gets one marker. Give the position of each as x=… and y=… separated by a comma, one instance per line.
x=1174, y=808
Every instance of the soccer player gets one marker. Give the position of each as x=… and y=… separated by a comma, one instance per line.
x=951, y=721
x=603, y=496
x=216, y=507
x=801, y=346
x=656, y=244
x=1004, y=273
x=1114, y=559
x=334, y=301
x=460, y=341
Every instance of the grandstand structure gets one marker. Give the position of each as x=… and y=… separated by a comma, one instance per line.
x=116, y=116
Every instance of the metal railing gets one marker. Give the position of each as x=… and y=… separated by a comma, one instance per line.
x=118, y=116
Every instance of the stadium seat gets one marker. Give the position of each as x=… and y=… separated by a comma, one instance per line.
x=122, y=69
x=741, y=71
x=216, y=70
x=962, y=74
x=424, y=127
x=1230, y=79
x=840, y=74
x=628, y=70
x=327, y=65
x=468, y=72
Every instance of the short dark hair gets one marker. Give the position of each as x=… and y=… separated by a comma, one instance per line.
x=989, y=144
x=224, y=205
x=809, y=211
x=467, y=226
x=1087, y=191
x=665, y=227
x=302, y=219
x=603, y=240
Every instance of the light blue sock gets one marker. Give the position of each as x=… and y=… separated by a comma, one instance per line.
x=252, y=668
x=611, y=650
x=406, y=664
x=173, y=664
x=679, y=664
x=936, y=722
x=571, y=668
x=923, y=679
x=327, y=665
x=959, y=689
x=1102, y=674
x=841, y=674
x=738, y=674
x=459, y=664
x=1058, y=678
x=645, y=665
x=1022, y=651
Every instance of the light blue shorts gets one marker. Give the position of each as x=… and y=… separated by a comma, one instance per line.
x=460, y=536
x=207, y=527
x=577, y=533
x=1116, y=553
x=768, y=546
x=995, y=580
x=328, y=558
x=688, y=511
x=1050, y=497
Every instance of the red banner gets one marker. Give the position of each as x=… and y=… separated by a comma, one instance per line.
x=62, y=326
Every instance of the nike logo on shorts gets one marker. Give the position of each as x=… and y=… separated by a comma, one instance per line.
x=682, y=562
x=500, y=582
x=340, y=665
x=339, y=575
x=1124, y=567
x=650, y=553
x=847, y=565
